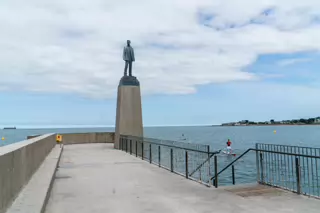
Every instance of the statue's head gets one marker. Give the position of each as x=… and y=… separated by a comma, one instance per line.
x=128, y=42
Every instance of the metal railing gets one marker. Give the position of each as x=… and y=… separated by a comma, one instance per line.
x=186, y=159
x=293, y=168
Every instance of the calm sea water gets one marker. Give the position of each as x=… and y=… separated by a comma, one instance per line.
x=242, y=138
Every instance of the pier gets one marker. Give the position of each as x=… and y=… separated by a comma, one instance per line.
x=123, y=171
x=95, y=177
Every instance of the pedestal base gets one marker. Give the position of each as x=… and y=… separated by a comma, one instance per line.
x=129, y=81
x=129, y=111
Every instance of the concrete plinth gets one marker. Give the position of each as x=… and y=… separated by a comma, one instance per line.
x=129, y=112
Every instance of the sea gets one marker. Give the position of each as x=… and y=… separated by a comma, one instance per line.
x=242, y=137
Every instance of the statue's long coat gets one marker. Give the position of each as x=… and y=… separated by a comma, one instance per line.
x=128, y=54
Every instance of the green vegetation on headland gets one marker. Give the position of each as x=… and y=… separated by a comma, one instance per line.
x=302, y=121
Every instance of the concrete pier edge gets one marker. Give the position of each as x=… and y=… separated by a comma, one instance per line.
x=51, y=182
x=23, y=201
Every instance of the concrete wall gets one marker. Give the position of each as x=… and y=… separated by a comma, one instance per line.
x=94, y=137
x=18, y=162
x=78, y=138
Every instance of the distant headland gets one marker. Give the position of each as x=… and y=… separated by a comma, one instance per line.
x=302, y=121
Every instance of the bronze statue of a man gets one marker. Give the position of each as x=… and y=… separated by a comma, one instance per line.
x=128, y=57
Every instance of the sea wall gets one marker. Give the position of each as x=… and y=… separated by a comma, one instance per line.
x=18, y=162
x=94, y=137
x=79, y=138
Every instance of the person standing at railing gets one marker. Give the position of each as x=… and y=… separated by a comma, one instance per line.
x=229, y=150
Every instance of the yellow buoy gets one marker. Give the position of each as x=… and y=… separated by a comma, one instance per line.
x=274, y=131
x=3, y=138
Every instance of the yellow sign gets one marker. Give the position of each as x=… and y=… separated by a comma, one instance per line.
x=59, y=138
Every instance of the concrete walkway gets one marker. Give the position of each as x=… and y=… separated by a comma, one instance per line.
x=96, y=178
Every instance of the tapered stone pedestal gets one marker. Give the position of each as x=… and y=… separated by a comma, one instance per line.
x=129, y=111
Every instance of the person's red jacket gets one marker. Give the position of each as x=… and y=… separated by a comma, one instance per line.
x=229, y=143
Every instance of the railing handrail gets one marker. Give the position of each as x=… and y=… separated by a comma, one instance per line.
x=172, y=146
x=147, y=138
x=164, y=140
x=303, y=147
x=261, y=150
x=199, y=167
x=230, y=164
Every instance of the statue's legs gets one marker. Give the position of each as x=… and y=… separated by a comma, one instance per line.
x=130, y=68
x=126, y=68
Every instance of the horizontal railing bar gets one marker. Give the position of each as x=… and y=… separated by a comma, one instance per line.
x=172, y=146
x=286, y=153
x=305, y=147
x=146, y=138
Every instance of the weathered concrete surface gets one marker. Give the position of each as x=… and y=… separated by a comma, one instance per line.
x=129, y=113
x=18, y=162
x=33, y=197
x=90, y=137
x=97, y=178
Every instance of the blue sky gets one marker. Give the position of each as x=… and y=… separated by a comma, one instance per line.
x=205, y=62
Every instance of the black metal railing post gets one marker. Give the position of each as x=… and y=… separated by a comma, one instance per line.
x=298, y=176
x=171, y=159
x=136, y=148
x=130, y=147
x=159, y=156
x=187, y=172
x=126, y=145
x=261, y=166
x=216, y=171
x=122, y=144
x=150, y=153
x=142, y=155
x=233, y=177
x=257, y=164
x=208, y=161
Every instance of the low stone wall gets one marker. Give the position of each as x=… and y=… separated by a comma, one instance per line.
x=94, y=137
x=90, y=137
x=18, y=162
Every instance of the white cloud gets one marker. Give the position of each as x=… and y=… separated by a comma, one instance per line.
x=75, y=46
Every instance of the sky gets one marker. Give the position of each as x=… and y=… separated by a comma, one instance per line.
x=199, y=62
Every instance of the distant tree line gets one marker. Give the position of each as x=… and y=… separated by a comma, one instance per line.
x=301, y=121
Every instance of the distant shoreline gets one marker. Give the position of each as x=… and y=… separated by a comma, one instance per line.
x=271, y=125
